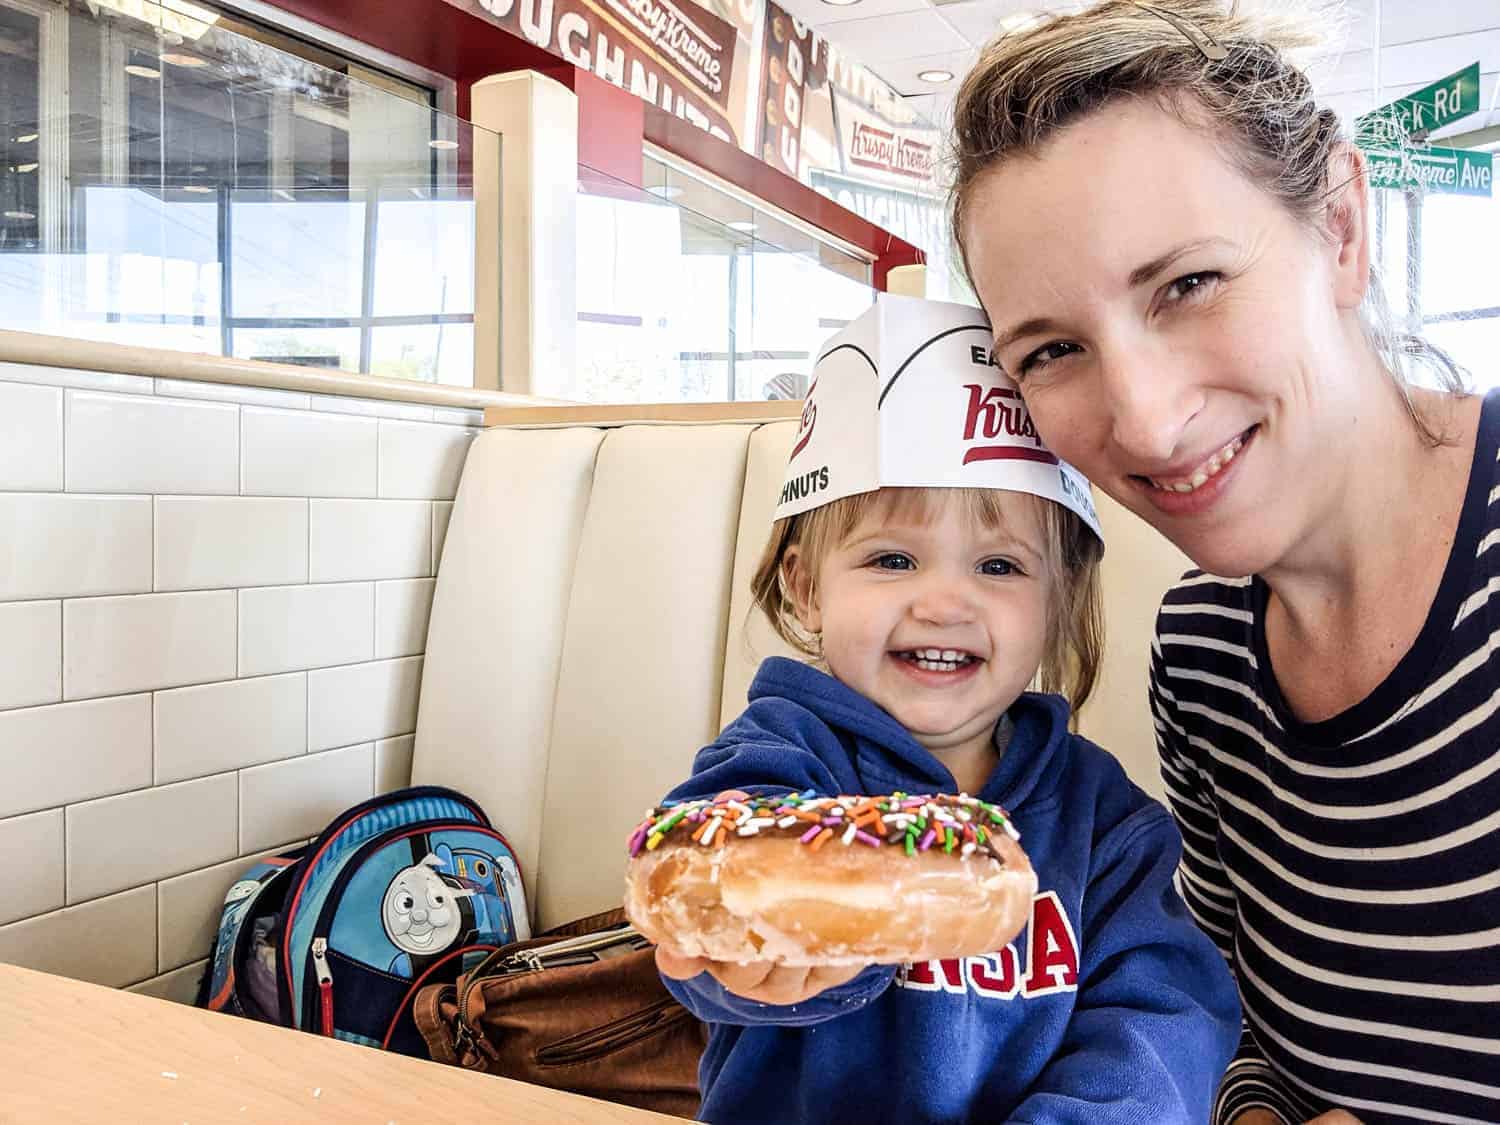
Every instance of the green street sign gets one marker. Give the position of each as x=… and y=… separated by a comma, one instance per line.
x=1421, y=111
x=1453, y=171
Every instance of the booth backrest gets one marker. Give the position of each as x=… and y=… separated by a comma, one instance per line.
x=591, y=629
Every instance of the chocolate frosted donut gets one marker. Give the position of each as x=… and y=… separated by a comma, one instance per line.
x=807, y=880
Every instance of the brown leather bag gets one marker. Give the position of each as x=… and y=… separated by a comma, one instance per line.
x=588, y=1015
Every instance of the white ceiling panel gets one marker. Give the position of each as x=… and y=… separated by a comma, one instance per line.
x=979, y=21
x=902, y=73
x=833, y=14
x=901, y=36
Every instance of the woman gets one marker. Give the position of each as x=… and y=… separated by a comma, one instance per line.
x=1173, y=243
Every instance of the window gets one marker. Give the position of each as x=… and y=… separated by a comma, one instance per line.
x=688, y=292
x=220, y=187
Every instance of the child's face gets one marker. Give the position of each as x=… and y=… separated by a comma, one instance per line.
x=900, y=586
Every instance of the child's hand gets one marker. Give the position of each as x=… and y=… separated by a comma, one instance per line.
x=764, y=981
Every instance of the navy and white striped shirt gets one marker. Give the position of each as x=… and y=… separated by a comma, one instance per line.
x=1349, y=869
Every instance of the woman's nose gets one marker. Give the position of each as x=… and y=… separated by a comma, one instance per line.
x=1149, y=404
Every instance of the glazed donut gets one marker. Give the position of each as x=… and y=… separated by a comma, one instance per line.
x=807, y=880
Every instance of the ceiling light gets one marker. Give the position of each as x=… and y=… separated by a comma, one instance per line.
x=178, y=58
x=444, y=145
x=1019, y=20
x=142, y=71
x=665, y=191
x=742, y=224
x=197, y=189
x=841, y=3
x=935, y=76
x=26, y=167
x=25, y=138
x=20, y=214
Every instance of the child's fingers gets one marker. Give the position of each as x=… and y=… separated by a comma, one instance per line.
x=743, y=979
x=834, y=975
x=679, y=968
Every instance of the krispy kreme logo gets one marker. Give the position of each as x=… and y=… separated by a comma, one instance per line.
x=994, y=412
x=677, y=37
x=809, y=420
x=877, y=148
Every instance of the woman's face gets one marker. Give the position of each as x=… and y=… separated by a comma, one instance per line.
x=1177, y=334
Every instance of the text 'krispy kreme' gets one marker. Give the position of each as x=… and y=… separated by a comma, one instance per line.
x=993, y=411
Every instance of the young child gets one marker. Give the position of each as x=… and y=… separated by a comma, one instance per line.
x=929, y=610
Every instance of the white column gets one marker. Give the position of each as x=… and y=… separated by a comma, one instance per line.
x=537, y=119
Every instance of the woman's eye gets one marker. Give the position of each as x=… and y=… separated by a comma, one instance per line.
x=1047, y=353
x=998, y=568
x=1193, y=285
x=893, y=561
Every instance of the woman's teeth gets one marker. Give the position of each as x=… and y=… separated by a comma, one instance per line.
x=938, y=659
x=1205, y=473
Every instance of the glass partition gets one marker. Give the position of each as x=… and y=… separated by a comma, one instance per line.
x=169, y=179
x=689, y=293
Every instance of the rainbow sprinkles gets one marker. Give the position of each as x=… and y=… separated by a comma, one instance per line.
x=960, y=825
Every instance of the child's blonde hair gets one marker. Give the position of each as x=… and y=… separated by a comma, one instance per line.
x=1221, y=68
x=1075, y=623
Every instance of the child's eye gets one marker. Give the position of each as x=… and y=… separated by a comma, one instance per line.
x=893, y=560
x=1193, y=286
x=1047, y=353
x=998, y=568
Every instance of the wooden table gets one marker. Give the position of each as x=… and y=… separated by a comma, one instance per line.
x=77, y=1052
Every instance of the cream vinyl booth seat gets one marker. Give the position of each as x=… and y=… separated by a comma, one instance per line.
x=591, y=629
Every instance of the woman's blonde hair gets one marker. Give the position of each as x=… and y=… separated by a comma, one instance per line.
x=1074, y=644
x=1219, y=68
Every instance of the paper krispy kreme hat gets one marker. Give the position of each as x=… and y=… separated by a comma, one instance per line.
x=906, y=396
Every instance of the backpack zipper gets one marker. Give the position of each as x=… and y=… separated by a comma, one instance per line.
x=325, y=983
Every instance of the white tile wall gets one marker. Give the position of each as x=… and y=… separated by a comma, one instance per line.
x=115, y=645
x=30, y=653
x=402, y=609
x=65, y=377
x=373, y=408
x=362, y=702
x=226, y=726
x=109, y=941
x=213, y=542
x=351, y=540
x=53, y=756
x=287, y=627
x=288, y=800
x=180, y=985
x=130, y=443
x=421, y=461
x=229, y=392
x=393, y=763
x=192, y=824
x=304, y=453
x=33, y=850
x=188, y=909
x=442, y=512
x=31, y=433
x=71, y=546
x=159, y=619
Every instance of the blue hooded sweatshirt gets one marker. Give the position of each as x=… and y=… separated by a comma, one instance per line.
x=1111, y=1006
